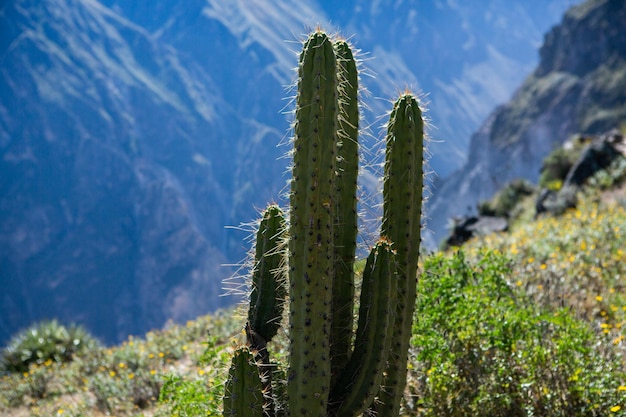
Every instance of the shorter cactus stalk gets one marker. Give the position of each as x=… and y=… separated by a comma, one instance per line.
x=267, y=297
x=361, y=377
x=244, y=391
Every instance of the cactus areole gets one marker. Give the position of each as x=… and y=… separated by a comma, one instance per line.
x=334, y=370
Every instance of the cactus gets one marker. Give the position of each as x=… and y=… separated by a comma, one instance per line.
x=402, y=205
x=243, y=393
x=332, y=370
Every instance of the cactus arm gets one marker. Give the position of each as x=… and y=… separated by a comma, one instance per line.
x=267, y=297
x=363, y=374
x=402, y=203
x=243, y=392
x=268, y=293
x=311, y=229
x=346, y=227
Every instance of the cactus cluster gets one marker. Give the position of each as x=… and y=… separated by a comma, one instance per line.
x=306, y=261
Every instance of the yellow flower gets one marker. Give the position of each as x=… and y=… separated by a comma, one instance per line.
x=131, y=375
x=599, y=298
x=200, y=372
x=621, y=388
x=122, y=365
x=543, y=266
x=112, y=373
x=60, y=411
x=152, y=372
x=615, y=408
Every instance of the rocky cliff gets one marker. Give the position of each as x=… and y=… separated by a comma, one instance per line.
x=579, y=86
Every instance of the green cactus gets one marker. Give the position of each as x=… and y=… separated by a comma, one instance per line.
x=332, y=370
x=402, y=210
x=346, y=227
x=244, y=392
x=268, y=285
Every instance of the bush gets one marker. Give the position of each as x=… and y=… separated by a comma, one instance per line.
x=482, y=348
x=47, y=340
x=507, y=199
x=558, y=163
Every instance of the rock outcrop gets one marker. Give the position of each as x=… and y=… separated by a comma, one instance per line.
x=578, y=87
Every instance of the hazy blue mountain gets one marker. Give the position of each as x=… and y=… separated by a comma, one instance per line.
x=133, y=132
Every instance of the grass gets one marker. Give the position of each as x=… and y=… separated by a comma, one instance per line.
x=529, y=322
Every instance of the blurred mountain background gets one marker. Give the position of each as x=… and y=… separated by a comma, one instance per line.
x=133, y=132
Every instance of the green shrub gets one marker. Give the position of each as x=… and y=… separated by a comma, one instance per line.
x=505, y=201
x=47, y=340
x=483, y=349
x=558, y=163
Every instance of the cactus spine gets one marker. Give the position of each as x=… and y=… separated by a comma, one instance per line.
x=329, y=374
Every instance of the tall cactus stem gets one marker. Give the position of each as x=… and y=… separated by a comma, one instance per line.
x=311, y=228
x=346, y=226
x=402, y=205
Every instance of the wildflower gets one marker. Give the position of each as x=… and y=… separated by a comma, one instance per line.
x=615, y=408
x=112, y=373
x=200, y=372
x=131, y=375
x=152, y=372
x=621, y=388
x=543, y=266
x=60, y=411
x=599, y=298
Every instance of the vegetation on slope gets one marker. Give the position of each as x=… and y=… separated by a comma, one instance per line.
x=530, y=322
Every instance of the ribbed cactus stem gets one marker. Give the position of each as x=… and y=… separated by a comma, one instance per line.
x=360, y=381
x=402, y=206
x=311, y=228
x=267, y=298
x=243, y=395
x=346, y=226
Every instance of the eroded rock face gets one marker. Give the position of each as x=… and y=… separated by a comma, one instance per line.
x=579, y=86
x=103, y=219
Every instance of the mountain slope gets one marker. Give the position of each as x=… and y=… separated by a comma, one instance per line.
x=132, y=133
x=99, y=172
x=578, y=87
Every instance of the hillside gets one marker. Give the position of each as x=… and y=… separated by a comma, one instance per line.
x=578, y=87
x=548, y=297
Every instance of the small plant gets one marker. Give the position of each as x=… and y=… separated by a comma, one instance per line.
x=505, y=201
x=48, y=340
x=558, y=163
